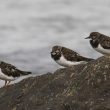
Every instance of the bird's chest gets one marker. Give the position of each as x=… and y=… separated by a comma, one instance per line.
x=64, y=62
x=5, y=77
x=94, y=44
x=102, y=50
x=56, y=57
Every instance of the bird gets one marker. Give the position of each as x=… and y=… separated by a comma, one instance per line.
x=100, y=42
x=9, y=73
x=67, y=57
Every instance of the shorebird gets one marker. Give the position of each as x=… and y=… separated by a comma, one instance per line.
x=67, y=57
x=100, y=42
x=9, y=72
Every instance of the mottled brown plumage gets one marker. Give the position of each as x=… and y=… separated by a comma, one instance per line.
x=100, y=42
x=73, y=56
x=99, y=38
x=9, y=72
x=68, y=54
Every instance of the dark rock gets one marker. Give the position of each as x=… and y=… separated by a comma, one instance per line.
x=82, y=87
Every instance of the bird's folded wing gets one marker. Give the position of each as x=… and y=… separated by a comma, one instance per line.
x=9, y=69
x=72, y=56
x=106, y=44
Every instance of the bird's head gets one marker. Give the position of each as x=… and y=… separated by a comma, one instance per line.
x=56, y=51
x=93, y=36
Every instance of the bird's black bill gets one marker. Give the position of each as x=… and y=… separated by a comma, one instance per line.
x=87, y=37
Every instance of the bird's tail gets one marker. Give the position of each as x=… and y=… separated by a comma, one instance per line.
x=24, y=72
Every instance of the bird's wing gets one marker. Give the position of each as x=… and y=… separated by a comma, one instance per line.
x=9, y=69
x=74, y=56
x=71, y=55
x=105, y=43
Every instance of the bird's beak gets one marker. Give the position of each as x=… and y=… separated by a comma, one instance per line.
x=87, y=37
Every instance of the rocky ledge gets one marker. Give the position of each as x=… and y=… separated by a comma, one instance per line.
x=82, y=87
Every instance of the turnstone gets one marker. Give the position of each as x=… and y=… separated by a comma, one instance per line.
x=66, y=57
x=100, y=42
x=9, y=72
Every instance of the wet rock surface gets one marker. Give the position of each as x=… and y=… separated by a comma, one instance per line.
x=81, y=87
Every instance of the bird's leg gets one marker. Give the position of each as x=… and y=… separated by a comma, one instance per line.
x=8, y=82
x=5, y=82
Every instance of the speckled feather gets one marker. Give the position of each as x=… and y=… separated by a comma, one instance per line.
x=11, y=70
x=69, y=54
x=73, y=56
x=101, y=39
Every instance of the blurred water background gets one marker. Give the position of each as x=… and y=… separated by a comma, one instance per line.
x=29, y=29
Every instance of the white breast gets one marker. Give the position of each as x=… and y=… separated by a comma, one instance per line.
x=5, y=77
x=63, y=62
x=102, y=50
